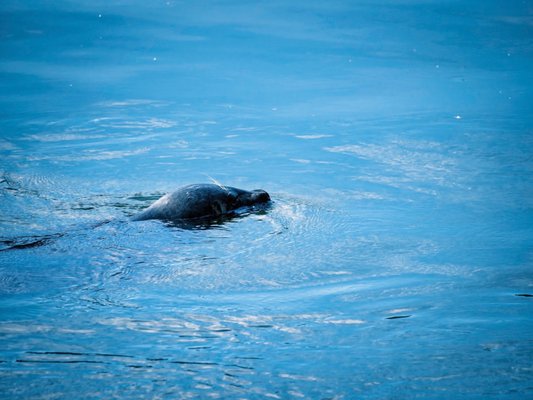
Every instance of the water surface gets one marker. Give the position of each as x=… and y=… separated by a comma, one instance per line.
x=395, y=139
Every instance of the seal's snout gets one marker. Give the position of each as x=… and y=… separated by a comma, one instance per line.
x=260, y=196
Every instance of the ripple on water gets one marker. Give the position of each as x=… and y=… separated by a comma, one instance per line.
x=288, y=246
x=271, y=249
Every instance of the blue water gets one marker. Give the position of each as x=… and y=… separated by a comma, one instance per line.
x=396, y=141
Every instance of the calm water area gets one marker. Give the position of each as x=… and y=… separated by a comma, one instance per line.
x=394, y=137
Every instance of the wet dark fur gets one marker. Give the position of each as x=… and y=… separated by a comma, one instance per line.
x=201, y=201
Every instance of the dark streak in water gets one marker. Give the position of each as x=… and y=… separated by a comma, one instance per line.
x=398, y=316
x=60, y=361
x=193, y=362
x=238, y=366
x=29, y=242
x=524, y=295
x=235, y=384
x=69, y=353
x=62, y=353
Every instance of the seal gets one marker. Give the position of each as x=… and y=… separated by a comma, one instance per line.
x=202, y=201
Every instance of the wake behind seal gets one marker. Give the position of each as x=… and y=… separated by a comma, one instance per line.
x=189, y=206
x=202, y=201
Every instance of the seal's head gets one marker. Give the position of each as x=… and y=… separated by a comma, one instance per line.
x=244, y=198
